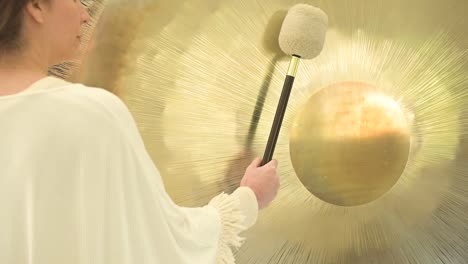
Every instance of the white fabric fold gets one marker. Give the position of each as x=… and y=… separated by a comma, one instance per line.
x=77, y=186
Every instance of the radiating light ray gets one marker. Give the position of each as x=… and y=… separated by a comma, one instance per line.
x=191, y=75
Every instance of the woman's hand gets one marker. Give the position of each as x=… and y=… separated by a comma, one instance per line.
x=263, y=180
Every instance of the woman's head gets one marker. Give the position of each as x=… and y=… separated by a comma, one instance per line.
x=49, y=27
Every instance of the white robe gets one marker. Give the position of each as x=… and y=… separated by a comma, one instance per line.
x=78, y=187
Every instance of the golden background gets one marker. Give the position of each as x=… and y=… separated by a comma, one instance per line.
x=203, y=80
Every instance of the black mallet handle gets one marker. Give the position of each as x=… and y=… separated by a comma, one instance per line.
x=280, y=110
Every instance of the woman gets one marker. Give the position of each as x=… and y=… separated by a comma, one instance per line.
x=76, y=183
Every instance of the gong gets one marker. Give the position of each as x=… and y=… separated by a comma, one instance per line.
x=373, y=147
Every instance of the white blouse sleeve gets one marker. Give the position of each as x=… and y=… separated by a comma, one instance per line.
x=236, y=212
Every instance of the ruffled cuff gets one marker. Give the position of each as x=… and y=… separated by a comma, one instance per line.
x=237, y=213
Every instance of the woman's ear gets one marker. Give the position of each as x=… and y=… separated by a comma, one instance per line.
x=35, y=9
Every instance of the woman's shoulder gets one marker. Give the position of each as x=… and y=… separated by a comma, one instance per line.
x=101, y=112
x=90, y=95
x=83, y=105
x=92, y=100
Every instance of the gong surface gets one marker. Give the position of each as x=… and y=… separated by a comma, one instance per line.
x=203, y=79
x=349, y=143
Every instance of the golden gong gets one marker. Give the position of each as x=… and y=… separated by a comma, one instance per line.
x=349, y=143
x=373, y=146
